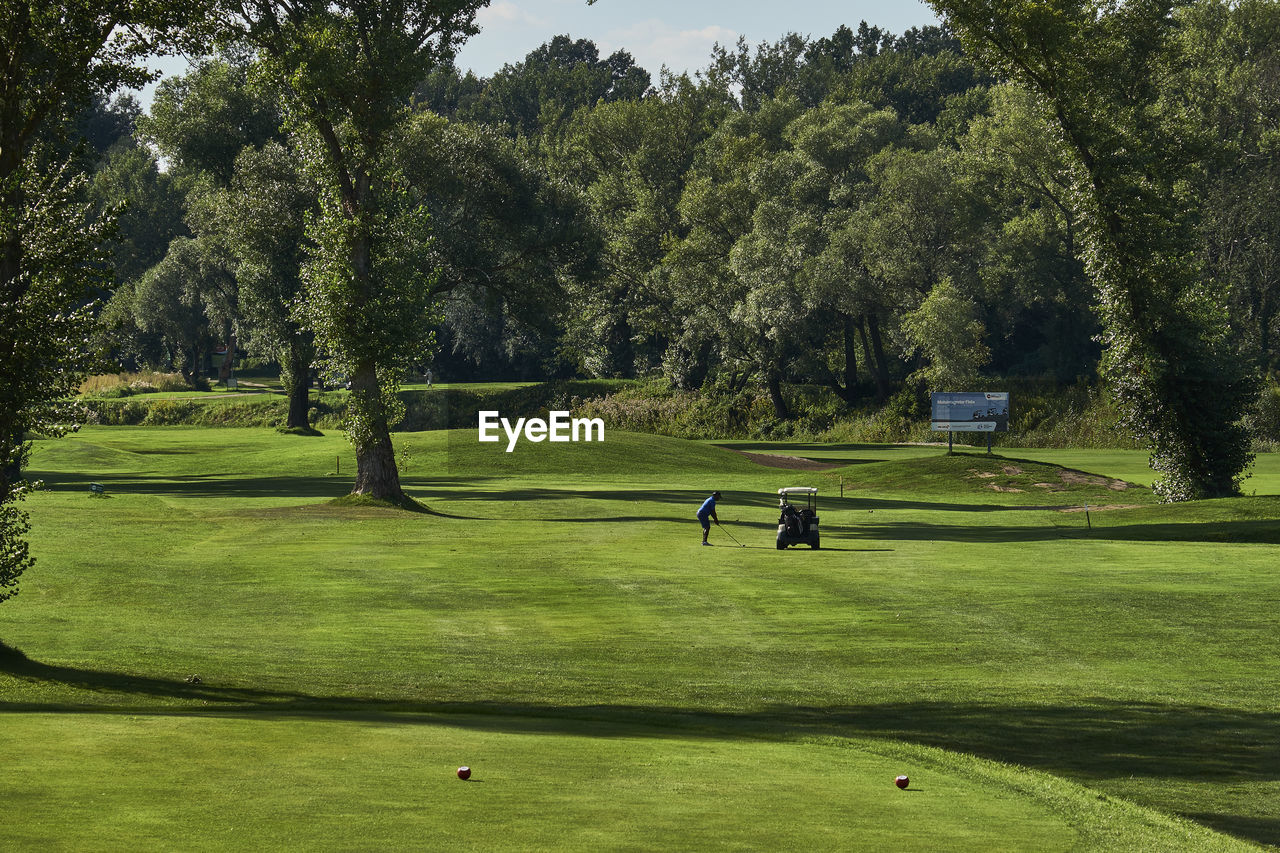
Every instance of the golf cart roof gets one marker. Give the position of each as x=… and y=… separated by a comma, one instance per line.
x=798, y=490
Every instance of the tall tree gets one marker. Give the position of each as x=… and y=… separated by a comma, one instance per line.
x=202, y=120
x=835, y=147
x=146, y=206
x=1168, y=355
x=632, y=158
x=1231, y=67
x=507, y=236
x=538, y=94
x=260, y=218
x=1040, y=300
x=728, y=299
x=56, y=56
x=199, y=123
x=348, y=70
x=183, y=300
x=129, y=187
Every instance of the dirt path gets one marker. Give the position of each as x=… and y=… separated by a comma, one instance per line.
x=794, y=463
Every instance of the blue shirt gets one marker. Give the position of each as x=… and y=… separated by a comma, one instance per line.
x=708, y=507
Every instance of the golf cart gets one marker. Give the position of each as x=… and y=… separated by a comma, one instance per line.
x=798, y=521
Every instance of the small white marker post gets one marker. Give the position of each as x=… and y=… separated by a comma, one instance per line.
x=1086, y=515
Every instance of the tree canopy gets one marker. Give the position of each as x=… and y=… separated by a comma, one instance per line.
x=61, y=59
x=1070, y=192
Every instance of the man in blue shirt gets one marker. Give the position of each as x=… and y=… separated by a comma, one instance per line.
x=707, y=514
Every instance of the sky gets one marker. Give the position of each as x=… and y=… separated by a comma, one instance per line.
x=656, y=32
x=677, y=34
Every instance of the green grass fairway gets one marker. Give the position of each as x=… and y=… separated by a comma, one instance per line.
x=216, y=656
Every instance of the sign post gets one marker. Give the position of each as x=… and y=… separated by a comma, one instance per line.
x=977, y=411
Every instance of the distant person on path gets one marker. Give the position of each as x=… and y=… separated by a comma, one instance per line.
x=428, y=378
x=707, y=514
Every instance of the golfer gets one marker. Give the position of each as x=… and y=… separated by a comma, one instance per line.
x=707, y=514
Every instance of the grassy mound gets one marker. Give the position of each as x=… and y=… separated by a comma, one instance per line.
x=1009, y=480
x=366, y=502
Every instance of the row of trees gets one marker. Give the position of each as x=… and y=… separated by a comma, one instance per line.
x=1036, y=188
x=633, y=199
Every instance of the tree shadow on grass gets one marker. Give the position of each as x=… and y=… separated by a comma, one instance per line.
x=1265, y=830
x=1260, y=531
x=437, y=492
x=691, y=498
x=461, y=489
x=1096, y=741
x=448, y=488
x=440, y=492
x=13, y=662
x=198, y=485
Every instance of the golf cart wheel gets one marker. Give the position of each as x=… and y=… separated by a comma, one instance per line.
x=814, y=543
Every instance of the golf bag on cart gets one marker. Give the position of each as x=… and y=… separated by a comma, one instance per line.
x=797, y=525
x=791, y=521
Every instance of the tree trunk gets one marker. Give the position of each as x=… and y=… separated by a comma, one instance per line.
x=622, y=350
x=370, y=433
x=190, y=367
x=376, y=472
x=701, y=365
x=875, y=362
x=13, y=452
x=228, y=361
x=850, y=361
x=13, y=288
x=774, y=380
x=1266, y=315
x=296, y=377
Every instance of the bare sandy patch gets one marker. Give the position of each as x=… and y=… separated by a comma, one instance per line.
x=794, y=463
x=1080, y=478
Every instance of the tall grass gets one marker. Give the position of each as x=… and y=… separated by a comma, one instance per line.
x=114, y=385
x=441, y=408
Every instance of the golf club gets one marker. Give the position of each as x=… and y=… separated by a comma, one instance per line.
x=730, y=535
